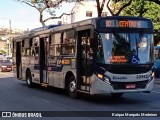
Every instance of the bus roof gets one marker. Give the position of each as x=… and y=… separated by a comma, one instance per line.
x=44, y=28
x=91, y=21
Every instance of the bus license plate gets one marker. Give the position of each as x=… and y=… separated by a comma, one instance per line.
x=130, y=86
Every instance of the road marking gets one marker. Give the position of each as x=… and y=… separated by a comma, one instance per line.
x=7, y=73
x=41, y=99
x=44, y=100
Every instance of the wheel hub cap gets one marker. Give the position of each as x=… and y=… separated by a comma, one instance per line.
x=72, y=86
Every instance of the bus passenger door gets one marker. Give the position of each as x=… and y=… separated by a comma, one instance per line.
x=18, y=60
x=85, y=59
x=43, y=59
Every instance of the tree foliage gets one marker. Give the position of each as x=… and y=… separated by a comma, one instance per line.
x=115, y=9
x=116, y=6
x=146, y=9
x=45, y=5
x=100, y=4
x=155, y=1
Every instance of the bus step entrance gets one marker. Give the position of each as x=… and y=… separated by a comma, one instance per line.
x=44, y=84
x=86, y=80
x=85, y=83
x=83, y=91
x=84, y=88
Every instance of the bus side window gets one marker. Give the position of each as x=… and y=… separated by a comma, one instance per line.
x=68, y=43
x=33, y=52
x=37, y=51
x=55, y=49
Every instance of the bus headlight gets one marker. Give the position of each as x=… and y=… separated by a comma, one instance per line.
x=104, y=78
x=151, y=77
x=100, y=76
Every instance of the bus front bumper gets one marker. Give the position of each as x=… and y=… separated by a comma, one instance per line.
x=100, y=87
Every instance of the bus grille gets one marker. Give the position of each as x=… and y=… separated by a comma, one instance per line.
x=128, y=69
x=122, y=85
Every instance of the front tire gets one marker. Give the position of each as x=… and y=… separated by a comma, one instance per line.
x=72, y=87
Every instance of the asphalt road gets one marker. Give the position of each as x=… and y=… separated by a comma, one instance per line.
x=16, y=96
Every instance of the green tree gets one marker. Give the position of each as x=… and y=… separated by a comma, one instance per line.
x=100, y=6
x=155, y=1
x=45, y=5
x=146, y=9
x=114, y=9
x=49, y=5
x=156, y=21
x=106, y=3
x=116, y=6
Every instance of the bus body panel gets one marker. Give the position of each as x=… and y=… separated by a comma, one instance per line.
x=88, y=39
x=100, y=87
x=128, y=77
x=57, y=78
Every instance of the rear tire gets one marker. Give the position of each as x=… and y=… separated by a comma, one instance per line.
x=29, y=80
x=72, y=87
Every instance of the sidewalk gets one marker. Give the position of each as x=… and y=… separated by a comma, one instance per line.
x=157, y=81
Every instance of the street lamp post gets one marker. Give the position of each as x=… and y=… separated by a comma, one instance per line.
x=9, y=42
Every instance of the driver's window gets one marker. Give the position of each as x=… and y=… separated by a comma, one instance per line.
x=99, y=51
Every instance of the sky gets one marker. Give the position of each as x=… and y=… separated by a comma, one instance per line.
x=22, y=16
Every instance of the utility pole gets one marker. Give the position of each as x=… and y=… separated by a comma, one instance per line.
x=9, y=42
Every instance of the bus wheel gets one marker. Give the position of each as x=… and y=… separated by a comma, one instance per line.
x=71, y=87
x=29, y=79
x=116, y=95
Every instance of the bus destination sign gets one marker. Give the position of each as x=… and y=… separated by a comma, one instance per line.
x=124, y=23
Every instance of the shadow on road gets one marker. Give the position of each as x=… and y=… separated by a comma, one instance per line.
x=128, y=98
x=97, y=99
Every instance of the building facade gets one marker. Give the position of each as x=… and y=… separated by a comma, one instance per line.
x=3, y=40
x=84, y=10
x=6, y=36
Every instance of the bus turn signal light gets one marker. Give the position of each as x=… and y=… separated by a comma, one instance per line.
x=100, y=76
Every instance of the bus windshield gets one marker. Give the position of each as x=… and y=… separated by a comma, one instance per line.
x=124, y=48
